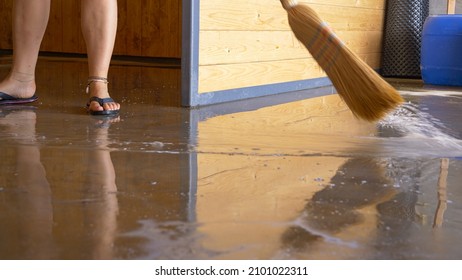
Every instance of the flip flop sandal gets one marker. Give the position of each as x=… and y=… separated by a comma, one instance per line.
x=101, y=102
x=6, y=99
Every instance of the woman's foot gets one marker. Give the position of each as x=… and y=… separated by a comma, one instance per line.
x=17, y=88
x=100, y=103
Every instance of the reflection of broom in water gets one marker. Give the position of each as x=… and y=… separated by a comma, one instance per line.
x=367, y=95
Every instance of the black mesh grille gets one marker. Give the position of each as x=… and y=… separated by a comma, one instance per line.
x=402, y=39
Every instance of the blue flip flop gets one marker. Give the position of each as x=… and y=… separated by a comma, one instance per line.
x=101, y=102
x=6, y=99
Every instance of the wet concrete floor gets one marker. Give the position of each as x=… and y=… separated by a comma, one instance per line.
x=260, y=179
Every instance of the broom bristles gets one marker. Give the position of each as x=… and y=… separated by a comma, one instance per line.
x=367, y=95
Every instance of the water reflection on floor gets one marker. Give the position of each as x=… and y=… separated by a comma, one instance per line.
x=298, y=180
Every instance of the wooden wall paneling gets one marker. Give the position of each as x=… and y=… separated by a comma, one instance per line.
x=244, y=15
x=53, y=39
x=161, y=29
x=222, y=47
x=230, y=76
x=129, y=35
x=370, y=4
x=249, y=43
x=255, y=15
x=6, y=38
x=451, y=7
x=174, y=16
x=72, y=37
x=372, y=59
x=146, y=28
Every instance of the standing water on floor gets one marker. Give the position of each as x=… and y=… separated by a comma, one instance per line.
x=308, y=181
x=300, y=180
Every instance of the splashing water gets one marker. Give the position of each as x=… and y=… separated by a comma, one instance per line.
x=409, y=121
x=419, y=129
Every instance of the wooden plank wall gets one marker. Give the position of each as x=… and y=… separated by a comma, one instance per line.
x=146, y=28
x=249, y=43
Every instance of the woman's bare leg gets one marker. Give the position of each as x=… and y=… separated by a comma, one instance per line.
x=30, y=18
x=99, y=27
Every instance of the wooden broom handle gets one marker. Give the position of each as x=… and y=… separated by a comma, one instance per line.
x=451, y=7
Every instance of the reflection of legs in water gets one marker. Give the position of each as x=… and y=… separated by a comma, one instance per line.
x=33, y=201
x=442, y=194
x=398, y=214
x=101, y=180
x=359, y=184
x=362, y=184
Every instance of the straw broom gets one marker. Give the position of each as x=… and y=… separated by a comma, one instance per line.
x=367, y=95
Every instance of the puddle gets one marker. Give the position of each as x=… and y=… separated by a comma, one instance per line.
x=300, y=180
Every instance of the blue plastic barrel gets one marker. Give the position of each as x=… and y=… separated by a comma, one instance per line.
x=441, y=51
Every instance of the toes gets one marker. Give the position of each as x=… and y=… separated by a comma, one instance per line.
x=94, y=106
x=111, y=106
